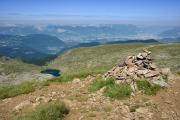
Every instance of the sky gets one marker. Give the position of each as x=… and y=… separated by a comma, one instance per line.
x=157, y=12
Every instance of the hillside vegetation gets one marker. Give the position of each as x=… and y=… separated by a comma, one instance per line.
x=101, y=58
x=8, y=66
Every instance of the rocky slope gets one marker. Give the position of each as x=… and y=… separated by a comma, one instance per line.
x=85, y=105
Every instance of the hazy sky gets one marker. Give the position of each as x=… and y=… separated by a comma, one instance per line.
x=162, y=12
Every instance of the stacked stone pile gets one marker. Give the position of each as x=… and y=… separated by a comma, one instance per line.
x=137, y=67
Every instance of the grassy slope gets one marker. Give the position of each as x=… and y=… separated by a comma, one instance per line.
x=8, y=66
x=99, y=59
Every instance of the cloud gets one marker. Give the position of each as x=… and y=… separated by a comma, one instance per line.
x=60, y=30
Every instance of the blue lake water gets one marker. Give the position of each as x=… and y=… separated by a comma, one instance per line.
x=53, y=72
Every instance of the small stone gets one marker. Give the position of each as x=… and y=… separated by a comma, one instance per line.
x=22, y=105
x=7, y=100
x=47, y=99
x=160, y=83
x=102, y=89
x=139, y=62
x=156, y=78
x=142, y=72
x=129, y=60
x=54, y=93
x=151, y=74
x=139, y=56
x=76, y=80
x=144, y=54
x=152, y=66
x=164, y=115
x=142, y=110
x=145, y=50
x=38, y=99
x=35, y=104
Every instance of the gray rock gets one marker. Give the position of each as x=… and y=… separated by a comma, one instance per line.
x=142, y=72
x=151, y=74
x=144, y=54
x=160, y=83
x=139, y=62
x=152, y=66
x=165, y=71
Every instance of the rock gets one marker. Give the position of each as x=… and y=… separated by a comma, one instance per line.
x=53, y=93
x=7, y=100
x=144, y=54
x=139, y=56
x=156, y=78
x=133, y=87
x=165, y=71
x=142, y=110
x=139, y=62
x=102, y=89
x=129, y=60
x=160, y=83
x=152, y=66
x=36, y=104
x=76, y=80
x=39, y=99
x=47, y=99
x=164, y=115
x=145, y=50
x=22, y=105
x=142, y=72
x=151, y=74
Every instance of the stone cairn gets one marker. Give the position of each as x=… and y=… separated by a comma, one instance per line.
x=138, y=67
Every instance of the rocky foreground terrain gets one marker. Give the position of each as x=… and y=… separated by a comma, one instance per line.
x=87, y=105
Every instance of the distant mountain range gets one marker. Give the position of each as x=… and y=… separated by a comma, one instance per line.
x=37, y=44
x=133, y=41
x=35, y=48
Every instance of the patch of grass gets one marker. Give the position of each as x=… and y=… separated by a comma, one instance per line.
x=99, y=82
x=147, y=88
x=178, y=73
x=70, y=76
x=82, y=98
x=23, y=88
x=112, y=90
x=48, y=111
x=118, y=91
x=165, y=78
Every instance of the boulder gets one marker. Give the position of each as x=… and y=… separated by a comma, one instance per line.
x=145, y=50
x=152, y=66
x=142, y=72
x=139, y=62
x=129, y=60
x=144, y=54
x=151, y=74
x=76, y=80
x=165, y=71
x=139, y=56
